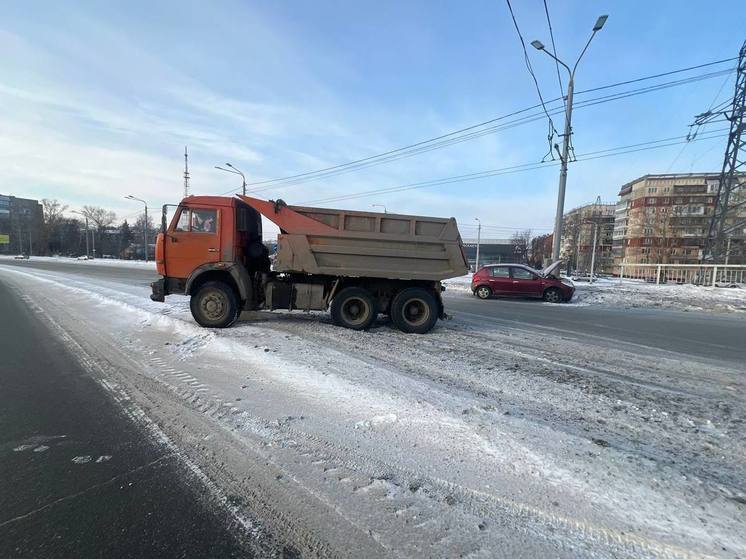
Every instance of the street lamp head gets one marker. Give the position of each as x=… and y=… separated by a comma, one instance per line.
x=229, y=165
x=600, y=23
x=538, y=45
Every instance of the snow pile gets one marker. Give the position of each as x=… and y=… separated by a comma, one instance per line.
x=140, y=264
x=461, y=284
x=637, y=294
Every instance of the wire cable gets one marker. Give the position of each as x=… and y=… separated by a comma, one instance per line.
x=470, y=128
x=599, y=154
x=490, y=130
x=552, y=130
x=554, y=50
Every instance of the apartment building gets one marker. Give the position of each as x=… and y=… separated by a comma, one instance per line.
x=576, y=248
x=663, y=218
x=21, y=222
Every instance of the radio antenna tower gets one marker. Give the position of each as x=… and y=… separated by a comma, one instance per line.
x=186, y=173
x=728, y=218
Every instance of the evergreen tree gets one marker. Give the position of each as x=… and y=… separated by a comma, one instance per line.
x=125, y=237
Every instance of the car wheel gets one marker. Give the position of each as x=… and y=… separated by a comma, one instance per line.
x=414, y=310
x=483, y=292
x=354, y=308
x=553, y=295
x=215, y=305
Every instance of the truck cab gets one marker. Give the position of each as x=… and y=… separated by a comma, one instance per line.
x=210, y=239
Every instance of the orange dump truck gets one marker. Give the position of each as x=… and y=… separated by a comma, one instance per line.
x=358, y=264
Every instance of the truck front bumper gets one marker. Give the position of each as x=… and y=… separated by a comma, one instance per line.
x=159, y=290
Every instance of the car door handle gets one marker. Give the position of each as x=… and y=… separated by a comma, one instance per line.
x=212, y=250
x=515, y=281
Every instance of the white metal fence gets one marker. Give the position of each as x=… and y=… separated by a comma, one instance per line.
x=710, y=274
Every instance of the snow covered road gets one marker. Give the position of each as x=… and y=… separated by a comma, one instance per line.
x=480, y=439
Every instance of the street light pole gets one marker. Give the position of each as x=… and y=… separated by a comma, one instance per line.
x=235, y=172
x=479, y=240
x=566, y=136
x=145, y=226
x=379, y=206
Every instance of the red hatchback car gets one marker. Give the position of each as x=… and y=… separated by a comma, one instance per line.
x=517, y=280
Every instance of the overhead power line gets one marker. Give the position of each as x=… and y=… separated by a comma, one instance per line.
x=527, y=60
x=554, y=50
x=513, y=169
x=533, y=117
x=457, y=135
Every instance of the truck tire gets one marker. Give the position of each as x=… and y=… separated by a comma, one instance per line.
x=414, y=310
x=354, y=307
x=214, y=305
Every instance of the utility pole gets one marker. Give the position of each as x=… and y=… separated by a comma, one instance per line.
x=479, y=240
x=145, y=225
x=596, y=219
x=566, y=136
x=593, y=254
x=186, y=173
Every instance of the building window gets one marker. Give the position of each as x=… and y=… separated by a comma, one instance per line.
x=652, y=190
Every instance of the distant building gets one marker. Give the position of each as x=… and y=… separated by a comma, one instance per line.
x=541, y=250
x=579, y=225
x=664, y=219
x=491, y=251
x=21, y=225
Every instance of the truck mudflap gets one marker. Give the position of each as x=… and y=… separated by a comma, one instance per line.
x=159, y=290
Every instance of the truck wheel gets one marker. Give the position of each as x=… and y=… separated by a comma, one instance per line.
x=354, y=308
x=214, y=305
x=414, y=310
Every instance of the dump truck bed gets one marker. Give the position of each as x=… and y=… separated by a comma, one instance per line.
x=364, y=244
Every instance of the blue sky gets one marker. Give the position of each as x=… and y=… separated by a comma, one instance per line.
x=97, y=99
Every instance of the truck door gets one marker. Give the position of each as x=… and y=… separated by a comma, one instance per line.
x=192, y=240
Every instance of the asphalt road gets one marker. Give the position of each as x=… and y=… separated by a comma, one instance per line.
x=701, y=335
x=79, y=479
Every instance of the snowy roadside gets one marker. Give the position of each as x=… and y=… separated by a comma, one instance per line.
x=476, y=440
x=139, y=264
x=638, y=294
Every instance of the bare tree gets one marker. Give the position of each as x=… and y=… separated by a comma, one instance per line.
x=53, y=211
x=101, y=217
x=521, y=244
